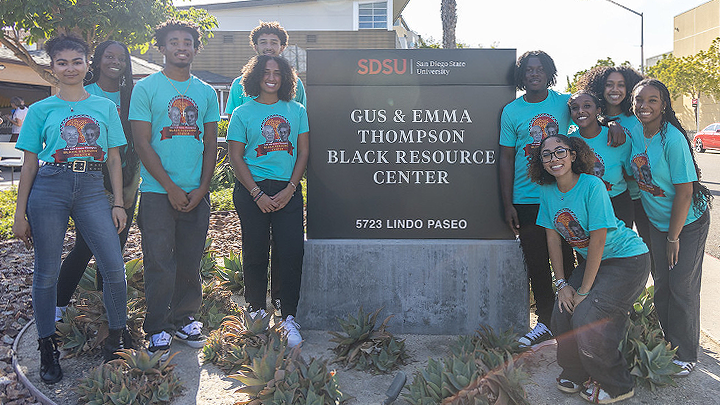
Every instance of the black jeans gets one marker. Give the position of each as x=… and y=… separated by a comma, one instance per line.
x=588, y=339
x=173, y=243
x=533, y=241
x=677, y=291
x=75, y=263
x=288, y=236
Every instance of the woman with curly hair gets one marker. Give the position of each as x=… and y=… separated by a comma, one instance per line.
x=590, y=316
x=677, y=206
x=268, y=167
x=611, y=163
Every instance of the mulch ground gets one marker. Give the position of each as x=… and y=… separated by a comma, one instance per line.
x=16, y=268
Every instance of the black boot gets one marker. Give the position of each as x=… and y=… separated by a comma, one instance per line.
x=50, y=371
x=127, y=341
x=112, y=344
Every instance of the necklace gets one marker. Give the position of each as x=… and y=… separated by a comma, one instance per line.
x=647, y=142
x=74, y=103
x=107, y=96
x=178, y=91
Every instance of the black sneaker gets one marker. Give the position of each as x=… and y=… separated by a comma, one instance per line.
x=568, y=386
x=191, y=334
x=539, y=334
x=160, y=342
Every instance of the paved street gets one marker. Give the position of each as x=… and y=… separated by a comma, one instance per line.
x=710, y=165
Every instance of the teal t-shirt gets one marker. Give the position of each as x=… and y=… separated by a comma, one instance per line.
x=59, y=135
x=270, y=134
x=633, y=128
x=583, y=209
x=113, y=96
x=177, y=126
x=609, y=161
x=238, y=97
x=523, y=126
x=658, y=164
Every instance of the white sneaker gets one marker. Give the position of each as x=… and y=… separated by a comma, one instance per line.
x=160, y=342
x=539, y=334
x=259, y=314
x=291, y=331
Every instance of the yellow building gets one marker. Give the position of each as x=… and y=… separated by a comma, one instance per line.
x=694, y=31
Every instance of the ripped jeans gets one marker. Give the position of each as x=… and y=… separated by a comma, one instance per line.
x=588, y=339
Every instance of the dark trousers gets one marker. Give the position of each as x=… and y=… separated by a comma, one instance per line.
x=677, y=291
x=642, y=225
x=75, y=263
x=624, y=209
x=288, y=236
x=173, y=243
x=588, y=339
x=533, y=241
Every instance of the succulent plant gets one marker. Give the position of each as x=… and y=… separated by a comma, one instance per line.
x=231, y=274
x=135, y=378
x=208, y=264
x=364, y=347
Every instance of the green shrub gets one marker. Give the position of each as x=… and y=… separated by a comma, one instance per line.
x=7, y=212
x=222, y=200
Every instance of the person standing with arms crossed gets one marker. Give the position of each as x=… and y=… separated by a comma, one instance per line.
x=177, y=165
x=268, y=38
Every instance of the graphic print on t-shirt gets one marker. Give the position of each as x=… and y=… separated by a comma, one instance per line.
x=599, y=170
x=80, y=133
x=276, y=131
x=641, y=170
x=567, y=224
x=183, y=113
x=540, y=127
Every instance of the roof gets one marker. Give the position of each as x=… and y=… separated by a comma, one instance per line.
x=212, y=78
x=140, y=67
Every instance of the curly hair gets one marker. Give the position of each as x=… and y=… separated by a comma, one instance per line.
x=702, y=197
x=162, y=30
x=546, y=61
x=595, y=79
x=63, y=43
x=253, y=72
x=584, y=159
x=272, y=27
x=601, y=120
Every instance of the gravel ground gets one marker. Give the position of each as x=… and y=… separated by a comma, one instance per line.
x=205, y=384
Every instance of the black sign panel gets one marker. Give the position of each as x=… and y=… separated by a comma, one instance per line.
x=404, y=143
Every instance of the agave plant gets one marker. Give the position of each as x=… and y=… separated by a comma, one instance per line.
x=207, y=264
x=134, y=378
x=231, y=274
x=364, y=347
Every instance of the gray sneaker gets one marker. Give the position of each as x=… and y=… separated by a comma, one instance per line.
x=160, y=342
x=191, y=334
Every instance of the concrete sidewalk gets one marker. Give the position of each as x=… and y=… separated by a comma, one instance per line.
x=6, y=179
x=710, y=298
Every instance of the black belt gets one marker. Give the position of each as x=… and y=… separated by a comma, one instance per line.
x=78, y=166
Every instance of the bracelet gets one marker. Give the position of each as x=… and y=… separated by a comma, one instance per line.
x=257, y=197
x=581, y=294
x=293, y=184
x=559, y=281
x=256, y=188
x=563, y=285
x=672, y=241
x=118, y=206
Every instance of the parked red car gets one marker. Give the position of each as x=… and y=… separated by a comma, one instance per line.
x=708, y=138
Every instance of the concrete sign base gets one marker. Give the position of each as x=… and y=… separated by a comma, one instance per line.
x=431, y=286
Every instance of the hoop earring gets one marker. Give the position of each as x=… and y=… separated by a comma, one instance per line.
x=89, y=76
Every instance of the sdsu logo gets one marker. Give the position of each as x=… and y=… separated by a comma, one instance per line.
x=385, y=66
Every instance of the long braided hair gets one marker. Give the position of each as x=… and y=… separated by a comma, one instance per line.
x=702, y=197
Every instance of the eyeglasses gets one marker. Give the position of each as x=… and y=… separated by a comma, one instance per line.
x=559, y=153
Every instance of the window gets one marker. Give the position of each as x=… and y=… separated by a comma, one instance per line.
x=372, y=15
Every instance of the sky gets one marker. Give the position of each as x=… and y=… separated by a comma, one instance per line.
x=575, y=33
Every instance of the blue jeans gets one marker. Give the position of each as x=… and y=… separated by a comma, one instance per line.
x=173, y=243
x=588, y=338
x=57, y=194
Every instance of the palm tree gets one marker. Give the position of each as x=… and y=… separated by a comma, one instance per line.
x=448, y=15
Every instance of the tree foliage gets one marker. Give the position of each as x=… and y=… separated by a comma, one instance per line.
x=129, y=21
x=693, y=75
x=572, y=85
